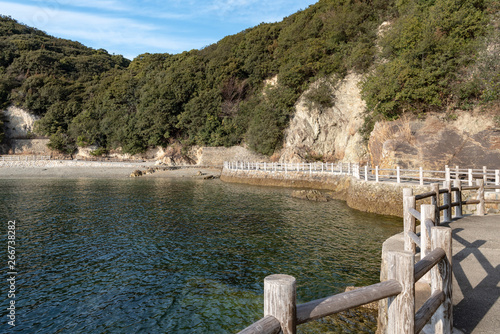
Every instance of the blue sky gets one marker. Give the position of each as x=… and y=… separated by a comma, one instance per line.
x=129, y=27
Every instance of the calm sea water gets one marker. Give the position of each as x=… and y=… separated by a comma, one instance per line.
x=176, y=256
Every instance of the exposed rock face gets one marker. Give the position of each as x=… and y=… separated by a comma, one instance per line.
x=328, y=132
x=18, y=123
x=470, y=141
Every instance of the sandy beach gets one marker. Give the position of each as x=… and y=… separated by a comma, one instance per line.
x=90, y=169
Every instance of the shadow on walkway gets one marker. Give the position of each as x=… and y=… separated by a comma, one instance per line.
x=476, y=269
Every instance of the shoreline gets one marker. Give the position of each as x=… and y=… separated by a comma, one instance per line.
x=72, y=169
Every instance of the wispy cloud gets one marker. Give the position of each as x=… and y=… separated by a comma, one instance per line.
x=101, y=31
x=131, y=27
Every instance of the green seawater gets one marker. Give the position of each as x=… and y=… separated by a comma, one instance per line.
x=177, y=255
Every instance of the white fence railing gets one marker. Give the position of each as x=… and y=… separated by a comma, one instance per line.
x=377, y=174
x=24, y=157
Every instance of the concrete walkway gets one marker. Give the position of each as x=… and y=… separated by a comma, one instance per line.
x=476, y=270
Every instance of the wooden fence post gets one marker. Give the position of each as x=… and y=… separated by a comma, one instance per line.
x=280, y=301
x=409, y=220
x=398, y=174
x=435, y=202
x=366, y=173
x=447, y=201
x=428, y=218
x=470, y=177
x=485, y=175
x=457, y=173
x=447, y=174
x=421, y=174
x=376, y=173
x=480, y=197
x=441, y=280
x=401, y=308
x=458, y=198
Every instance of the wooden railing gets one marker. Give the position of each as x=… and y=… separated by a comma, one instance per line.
x=377, y=174
x=281, y=314
x=451, y=199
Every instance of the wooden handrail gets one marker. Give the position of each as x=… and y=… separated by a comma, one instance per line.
x=266, y=325
x=430, y=260
x=424, y=314
x=323, y=307
x=279, y=297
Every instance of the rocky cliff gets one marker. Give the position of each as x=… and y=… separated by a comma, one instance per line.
x=468, y=139
x=460, y=138
x=328, y=133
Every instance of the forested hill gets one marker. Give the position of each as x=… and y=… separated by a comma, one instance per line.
x=433, y=55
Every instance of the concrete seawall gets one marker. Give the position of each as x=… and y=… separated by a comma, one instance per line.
x=381, y=198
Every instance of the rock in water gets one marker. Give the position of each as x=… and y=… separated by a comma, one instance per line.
x=311, y=195
x=136, y=173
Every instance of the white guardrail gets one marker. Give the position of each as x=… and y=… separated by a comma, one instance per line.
x=377, y=174
x=24, y=157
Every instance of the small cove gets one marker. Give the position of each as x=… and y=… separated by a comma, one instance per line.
x=177, y=255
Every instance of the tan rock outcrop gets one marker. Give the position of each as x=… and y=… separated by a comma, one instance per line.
x=331, y=133
x=18, y=123
x=470, y=140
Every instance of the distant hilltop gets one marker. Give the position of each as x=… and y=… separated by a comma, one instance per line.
x=380, y=81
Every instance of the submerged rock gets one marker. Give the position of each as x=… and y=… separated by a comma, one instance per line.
x=311, y=195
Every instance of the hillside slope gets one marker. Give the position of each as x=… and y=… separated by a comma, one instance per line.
x=435, y=56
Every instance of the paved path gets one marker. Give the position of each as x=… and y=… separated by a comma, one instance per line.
x=476, y=269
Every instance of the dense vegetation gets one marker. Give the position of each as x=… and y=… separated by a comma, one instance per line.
x=217, y=96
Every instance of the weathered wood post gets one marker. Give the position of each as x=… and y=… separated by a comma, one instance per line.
x=447, y=201
x=435, y=202
x=366, y=173
x=341, y=168
x=497, y=179
x=441, y=280
x=457, y=173
x=348, y=168
x=470, y=177
x=401, y=308
x=280, y=301
x=428, y=218
x=458, y=198
x=421, y=174
x=322, y=167
x=376, y=173
x=409, y=220
x=485, y=175
x=480, y=197
x=447, y=173
x=398, y=174
x=265, y=166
